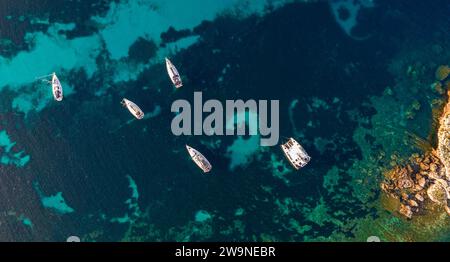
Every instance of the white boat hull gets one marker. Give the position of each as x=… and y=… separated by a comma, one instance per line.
x=133, y=108
x=295, y=153
x=57, y=88
x=173, y=74
x=199, y=159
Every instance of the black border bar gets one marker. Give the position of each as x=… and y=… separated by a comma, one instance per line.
x=146, y=251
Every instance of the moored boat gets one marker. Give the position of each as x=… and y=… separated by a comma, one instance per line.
x=295, y=153
x=57, y=88
x=199, y=159
x=133, y=108
x=173, y=74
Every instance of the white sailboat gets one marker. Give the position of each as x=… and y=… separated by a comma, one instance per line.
x=295, y=153
x=57, y=89
x=133, y=108
x=173, y=74
x=199, y=159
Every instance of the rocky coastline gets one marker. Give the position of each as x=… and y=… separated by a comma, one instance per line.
x=425, y=178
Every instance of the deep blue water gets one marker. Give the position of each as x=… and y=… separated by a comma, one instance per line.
x=87, y=149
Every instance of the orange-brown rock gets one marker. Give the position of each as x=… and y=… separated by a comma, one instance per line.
x=413, y=203
x=418, y=177
x=424, y=166
x=409, y=168
x=419, y=197
x=421, y=182
x=426, y=175
x=405, y=196
x=384, y=187
x=405, y=183
x=405, y=210
x=433, y=167
x=447, y=209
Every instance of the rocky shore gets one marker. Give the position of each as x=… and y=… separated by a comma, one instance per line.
x=425, y=178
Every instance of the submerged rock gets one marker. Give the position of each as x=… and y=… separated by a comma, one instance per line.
x=442, y=72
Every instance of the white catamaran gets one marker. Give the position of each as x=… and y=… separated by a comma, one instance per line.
x=57, y=89
x=295, y=153
x=133, y=108
x=199, y=159
x=173, y=74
